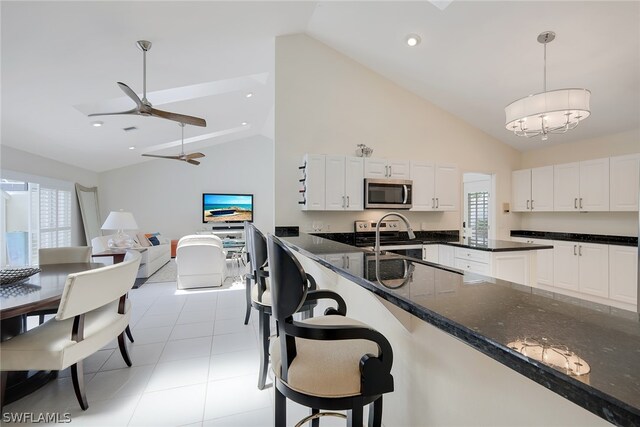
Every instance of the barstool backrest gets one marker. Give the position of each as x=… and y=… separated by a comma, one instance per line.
x=288, y=280
x=257, y=246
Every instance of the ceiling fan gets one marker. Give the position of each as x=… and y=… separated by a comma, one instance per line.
x=143, y=106
x=182, y=157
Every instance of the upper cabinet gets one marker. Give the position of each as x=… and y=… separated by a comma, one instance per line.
x=624, y=175
x=436, y=186
x=344, y=183
x=386, y=168
x=532, y=190
x=312, y=180
x=582, y=186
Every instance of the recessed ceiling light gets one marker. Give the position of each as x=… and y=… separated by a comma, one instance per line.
x=132, y=148
x=244, y=123
x=413, y=40
x=97, y=124
x=249, y=95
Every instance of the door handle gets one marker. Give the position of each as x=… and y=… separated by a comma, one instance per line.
x=406, y=194
x=348, y=201
x=527, y=204
x=574, y=249
x=580, y=250
x=580, y=202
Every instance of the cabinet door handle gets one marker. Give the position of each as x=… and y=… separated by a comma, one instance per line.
x=580, y=250
x=433, y=202
x=347, y=259
x=390, y=171
x=574, y=249
x=343, y=202
x=580, y=202
x=437, y=202
x=531, y=204
x=348, y=201
x=528, y=205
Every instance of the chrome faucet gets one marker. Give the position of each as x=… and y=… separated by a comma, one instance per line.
x=403, y=218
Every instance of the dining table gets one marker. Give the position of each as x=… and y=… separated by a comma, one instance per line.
x=18, y=300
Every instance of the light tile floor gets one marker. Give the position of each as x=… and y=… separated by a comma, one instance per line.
x=194, y=363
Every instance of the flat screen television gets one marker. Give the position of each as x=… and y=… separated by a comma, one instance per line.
x=218, y=208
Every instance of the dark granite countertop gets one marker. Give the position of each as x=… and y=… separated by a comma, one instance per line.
x=493, y=245
x=577, y=237
x=490, y=315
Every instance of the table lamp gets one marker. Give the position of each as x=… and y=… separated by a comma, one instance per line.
x=120, y=221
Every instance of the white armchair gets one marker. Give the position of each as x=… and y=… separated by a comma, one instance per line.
x=201, y=261
x=93, y=311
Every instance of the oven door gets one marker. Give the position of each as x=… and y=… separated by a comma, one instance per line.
x=387, y=193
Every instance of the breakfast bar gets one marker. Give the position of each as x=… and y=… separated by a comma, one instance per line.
x=468, y=347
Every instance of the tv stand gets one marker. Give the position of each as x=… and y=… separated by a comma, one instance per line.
x=228, y=232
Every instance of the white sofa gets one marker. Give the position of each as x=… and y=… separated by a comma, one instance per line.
x=152, y=259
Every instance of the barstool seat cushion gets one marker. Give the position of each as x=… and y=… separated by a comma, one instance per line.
x=325, y=368
x=266, y=296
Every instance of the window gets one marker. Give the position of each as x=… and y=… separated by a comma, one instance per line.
x=478, y=214
x=55, y=218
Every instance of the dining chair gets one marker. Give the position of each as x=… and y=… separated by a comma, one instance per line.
x=93, y=310
x=329, y=362
x=259, y=294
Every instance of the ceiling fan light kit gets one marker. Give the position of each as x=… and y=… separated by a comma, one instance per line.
x=549, y=112
x=143, y=106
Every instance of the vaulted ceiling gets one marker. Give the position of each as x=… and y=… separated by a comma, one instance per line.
x=61, y=60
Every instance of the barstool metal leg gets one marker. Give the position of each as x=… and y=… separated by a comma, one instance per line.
x=281, y=408
x=264, y=331
x=375, y=413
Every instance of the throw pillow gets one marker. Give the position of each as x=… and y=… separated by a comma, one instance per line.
x=154, y=241
x=142, y=239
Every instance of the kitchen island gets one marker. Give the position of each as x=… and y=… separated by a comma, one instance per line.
x=469, y=350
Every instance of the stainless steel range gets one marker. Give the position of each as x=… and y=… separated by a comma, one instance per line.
x=392, y=238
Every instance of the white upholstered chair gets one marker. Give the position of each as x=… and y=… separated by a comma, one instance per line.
x=201, y=261
x=93, y=310
x=67, y=255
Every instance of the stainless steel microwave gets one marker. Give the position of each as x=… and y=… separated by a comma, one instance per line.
x=387, y=193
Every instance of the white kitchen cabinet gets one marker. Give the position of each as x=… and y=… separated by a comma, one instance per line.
x=446, y=256
x=581, y=267
x=344, y=183
x=624, y=179
x=521, y=190
x=532, y=190
x=594, y=269
x=582, y=186
x=544, y=263
x=566, y=265
x=430, y=253
x=313, y=182
x=436, y=186
x=623, y=274
x=512, y=266
x=386, y=168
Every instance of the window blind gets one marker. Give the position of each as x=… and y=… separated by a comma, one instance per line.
x=55, y=218
x=478, y=214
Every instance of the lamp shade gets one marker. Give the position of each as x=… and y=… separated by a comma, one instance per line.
x=120, y=221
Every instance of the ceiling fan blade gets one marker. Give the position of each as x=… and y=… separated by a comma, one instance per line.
x=180, y=118
x=131, y=94
x=194, y=155
x=133, y=111
x=162, y=157
x=193, y=162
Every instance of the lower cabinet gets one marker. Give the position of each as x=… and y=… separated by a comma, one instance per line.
x=430, y=253
x=581, y=267
x=353, y=262
x=446, y=256
x=623, y=274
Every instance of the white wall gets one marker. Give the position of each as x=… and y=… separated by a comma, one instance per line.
x=327, y=103
x=166, y=195
x=616, y=223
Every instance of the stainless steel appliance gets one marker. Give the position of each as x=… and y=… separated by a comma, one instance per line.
x=387, y=193
x=392, y=238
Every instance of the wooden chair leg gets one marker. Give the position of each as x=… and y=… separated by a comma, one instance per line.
x=123, y=349
x=281, y=408
x=248, y=296
x=3, y=388
x=354, y=415
x=77, y=376
x=264, y=331
x=375, y=413
x=129, y=335
x=316, y=421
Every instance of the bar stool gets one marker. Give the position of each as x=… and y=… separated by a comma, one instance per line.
x=259, y=295
x=329, y=362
